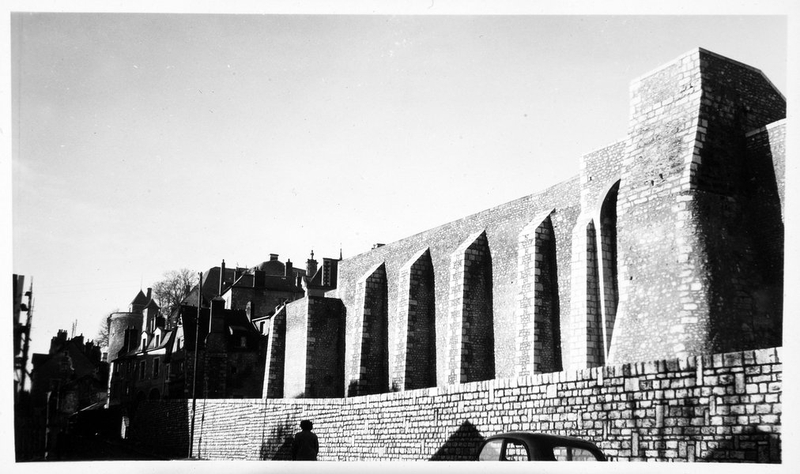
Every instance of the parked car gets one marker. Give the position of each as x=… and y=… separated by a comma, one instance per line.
x=529, y=446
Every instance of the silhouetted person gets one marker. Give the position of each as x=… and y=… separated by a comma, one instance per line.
x=305, y=445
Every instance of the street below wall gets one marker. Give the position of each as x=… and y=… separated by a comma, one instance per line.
x=98, y=448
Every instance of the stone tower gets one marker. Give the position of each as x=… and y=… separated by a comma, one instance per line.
x=692, y=208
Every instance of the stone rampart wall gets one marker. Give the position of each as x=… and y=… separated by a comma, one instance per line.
x=724, y=407
x=502, y=226
x=659, y=242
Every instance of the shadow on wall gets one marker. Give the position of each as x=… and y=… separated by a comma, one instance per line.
x=767, y=310
x=743, y=234
x=149, y=414
x=352, y=388
x=277, y=446
x=751, y=446
x=460, y=446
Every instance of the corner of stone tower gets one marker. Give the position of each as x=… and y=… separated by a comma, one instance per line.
x=685, y=177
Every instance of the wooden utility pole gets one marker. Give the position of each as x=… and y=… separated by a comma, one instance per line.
x=194, y=366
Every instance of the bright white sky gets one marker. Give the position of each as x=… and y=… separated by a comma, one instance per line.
x=144, y=143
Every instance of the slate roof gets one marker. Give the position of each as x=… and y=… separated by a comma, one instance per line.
x=271, y=282
x=238, y=321
x=272, y=267
x=188, y=315
x=166, y=340
x=316, y=279
x=141, y=299
x=210, y=286
x=81, y=364
x=38, y=359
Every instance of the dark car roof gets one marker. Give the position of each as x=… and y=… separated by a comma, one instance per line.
x=547, y=439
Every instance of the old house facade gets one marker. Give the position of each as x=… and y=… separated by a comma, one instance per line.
x=153, y=355
x=69, y=378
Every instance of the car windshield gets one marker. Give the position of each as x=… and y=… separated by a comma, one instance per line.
x=504, y=450
x=515, y=451
x=571, y=453
x=491, y=450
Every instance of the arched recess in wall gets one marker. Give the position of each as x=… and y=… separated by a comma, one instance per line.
x=370, y=369
x=471, y=320
x=608, y=265
x=595, y=353
x=538, y=310
x=415, y=357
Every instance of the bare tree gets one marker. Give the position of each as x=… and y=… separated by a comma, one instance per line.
x=101, y=339
x=173, y=288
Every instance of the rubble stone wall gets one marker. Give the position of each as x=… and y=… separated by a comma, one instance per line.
x=722, y=407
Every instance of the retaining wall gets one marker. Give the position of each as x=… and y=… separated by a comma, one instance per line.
x=724, y=407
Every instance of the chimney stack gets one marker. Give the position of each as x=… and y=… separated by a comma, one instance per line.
x=273, y=257
x=311, y=266
x=58, y=342
x=330, y=272
x=216, y=323
x=289, y=269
